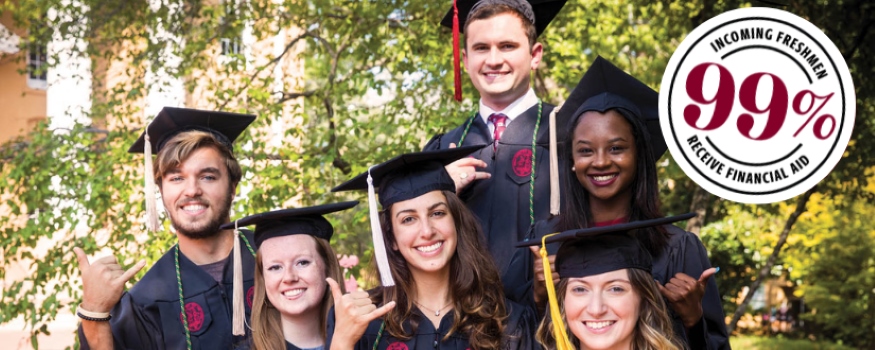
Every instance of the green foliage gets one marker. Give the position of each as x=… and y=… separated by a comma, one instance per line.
x=781, y=343
x=840, y=274
x=376, y=82
x=739, y=244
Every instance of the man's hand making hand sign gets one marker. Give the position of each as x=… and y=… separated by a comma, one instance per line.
x=353, y=312
x=103, y=282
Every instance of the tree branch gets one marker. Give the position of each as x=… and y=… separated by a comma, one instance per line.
x=270, y=63
x=293, y=95
x=764, y=271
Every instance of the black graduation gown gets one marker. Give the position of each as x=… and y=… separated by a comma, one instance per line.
x=290, y=346
x=148, y=316
x=519, y=333
x=501, y=203
x=683, y=253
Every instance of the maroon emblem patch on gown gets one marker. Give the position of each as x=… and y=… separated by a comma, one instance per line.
x=249, y=295
x=397, y=346
x=195, y=314
x=522, y=162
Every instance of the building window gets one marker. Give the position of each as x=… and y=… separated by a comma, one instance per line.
x=37, y=65
x=231, y=38
x=230, y=46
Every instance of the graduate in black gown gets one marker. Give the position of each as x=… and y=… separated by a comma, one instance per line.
x=185, y=299
x=506, y=185
x=605, y=297
x=613, y=142
x=433, y=264
x=293, y=259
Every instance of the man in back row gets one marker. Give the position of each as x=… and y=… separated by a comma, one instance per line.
x=509, y=193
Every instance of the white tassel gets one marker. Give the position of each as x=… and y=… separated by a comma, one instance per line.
x=377, y=233
x=554, y=164
x=239, y=313
x=152, y=224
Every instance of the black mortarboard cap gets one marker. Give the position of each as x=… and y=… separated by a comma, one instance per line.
x=226, y=127
x=294, y=221
x=541, y=12
x=171, y=121
x=604, y=87
x=410, y=175
x=401, y=178
x=595, y=250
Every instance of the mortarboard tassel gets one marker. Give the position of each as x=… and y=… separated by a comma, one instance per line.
x=237, y=326
x=554, y=164
x=562, y=342
x=149, y=187
x=457, y=69
x=377, y=232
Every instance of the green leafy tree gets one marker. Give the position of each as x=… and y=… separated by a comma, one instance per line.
x=376, y=83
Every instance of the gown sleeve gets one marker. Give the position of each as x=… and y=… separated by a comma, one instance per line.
x=131, y=327
x=521, y=327
x=433, y=144
x=329, y=331
x=710, y=332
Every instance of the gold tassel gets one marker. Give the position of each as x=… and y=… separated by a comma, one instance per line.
x=152, y=224
x=554, y=164
x=239, y=312
x=562, y=342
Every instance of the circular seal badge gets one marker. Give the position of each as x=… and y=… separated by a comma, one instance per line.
x=522, y=162
x=195, y=314
x=250, y=294
x=397, y=346
x=757, y=105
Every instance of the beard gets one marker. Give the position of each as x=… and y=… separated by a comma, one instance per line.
x=210, y=228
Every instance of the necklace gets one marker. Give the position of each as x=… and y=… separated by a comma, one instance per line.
x=436, y=312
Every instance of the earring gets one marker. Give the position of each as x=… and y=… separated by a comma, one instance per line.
x=572, y=168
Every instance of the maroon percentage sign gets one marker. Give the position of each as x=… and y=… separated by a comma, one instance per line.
x=818, y=124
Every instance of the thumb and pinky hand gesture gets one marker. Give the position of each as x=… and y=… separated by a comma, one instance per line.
x=353, y=312
x=103, y=280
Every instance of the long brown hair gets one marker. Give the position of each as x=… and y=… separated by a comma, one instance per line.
x=653, y=330
x=267, y=329
x=478, y=299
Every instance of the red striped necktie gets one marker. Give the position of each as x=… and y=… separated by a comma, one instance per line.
x=499, y=121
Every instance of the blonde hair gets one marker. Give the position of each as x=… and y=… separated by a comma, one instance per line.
x=653, y=330
x=177, y=150
x=267, y=329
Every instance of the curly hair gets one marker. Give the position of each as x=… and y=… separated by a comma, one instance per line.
x=653, y=330
x=576, y=212
x=267, y=329
x=478, y=299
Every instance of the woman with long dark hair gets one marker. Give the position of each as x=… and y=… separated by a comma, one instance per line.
x=612, y=144
x=434, y=265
